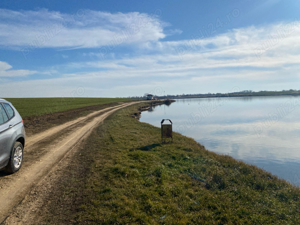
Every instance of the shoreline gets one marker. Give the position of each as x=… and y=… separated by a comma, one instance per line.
x=283, y=169
x=151, y=104
x=233, y=96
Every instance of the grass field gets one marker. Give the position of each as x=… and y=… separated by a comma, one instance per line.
x=130, y=177
x=40, y=106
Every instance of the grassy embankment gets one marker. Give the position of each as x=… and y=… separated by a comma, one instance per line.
x=130, y=177
x=40, y=106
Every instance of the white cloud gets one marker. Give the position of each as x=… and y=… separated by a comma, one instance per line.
x=5, y=71
x=262, y=50
x=85, y=29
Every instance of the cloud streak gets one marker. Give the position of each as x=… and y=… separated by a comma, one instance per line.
x=259, y=51
x=7, y=72
x=85, y=29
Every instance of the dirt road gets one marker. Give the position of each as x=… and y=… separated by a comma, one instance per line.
x=42, y=152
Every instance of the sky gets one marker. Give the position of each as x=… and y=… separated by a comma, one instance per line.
x=115, y=48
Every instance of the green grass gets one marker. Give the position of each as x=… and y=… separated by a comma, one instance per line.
x=40, y=106
x=133, y=178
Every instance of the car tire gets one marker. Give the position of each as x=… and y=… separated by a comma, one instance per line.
x=16, y=158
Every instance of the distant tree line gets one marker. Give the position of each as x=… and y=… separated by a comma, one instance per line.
x=245, y=93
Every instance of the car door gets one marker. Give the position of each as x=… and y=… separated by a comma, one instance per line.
x=4, y=136
x=12, y=132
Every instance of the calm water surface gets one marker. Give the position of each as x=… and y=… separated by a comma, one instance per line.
x=264, y=131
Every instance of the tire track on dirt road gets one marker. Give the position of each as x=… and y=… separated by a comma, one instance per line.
x=30, y=141
x=19, y=184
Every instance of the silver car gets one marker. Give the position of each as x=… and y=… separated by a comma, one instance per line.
x=12, y=137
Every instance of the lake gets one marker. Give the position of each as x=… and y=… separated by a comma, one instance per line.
x=263, y=131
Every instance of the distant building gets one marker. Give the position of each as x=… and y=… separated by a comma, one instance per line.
x=149, y=97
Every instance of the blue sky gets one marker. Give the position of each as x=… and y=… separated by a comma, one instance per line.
x=128, y=48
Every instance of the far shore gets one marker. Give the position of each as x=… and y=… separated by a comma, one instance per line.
x=234, y=94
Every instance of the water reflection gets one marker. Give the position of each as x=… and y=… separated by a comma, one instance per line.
x=262, y=131
x=151, y=109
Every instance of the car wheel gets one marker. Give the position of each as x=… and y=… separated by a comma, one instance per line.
x=16, y=158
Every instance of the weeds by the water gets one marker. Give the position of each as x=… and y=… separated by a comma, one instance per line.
x=136, y=179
